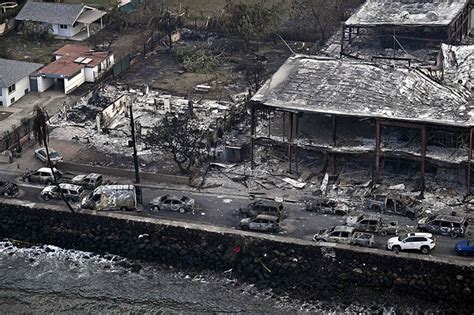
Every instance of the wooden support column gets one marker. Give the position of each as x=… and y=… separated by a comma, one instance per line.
x=295, y=148
x=283, y=128
x=343, y=37
x=469, y=163
x=334, y=143
x=378, y=138
x=252, y=134
x=290, y=142
x=424, y=143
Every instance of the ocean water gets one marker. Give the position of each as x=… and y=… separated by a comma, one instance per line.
x=45, y=279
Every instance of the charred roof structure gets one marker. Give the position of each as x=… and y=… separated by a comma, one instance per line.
x=406, y=31
x=367, y=111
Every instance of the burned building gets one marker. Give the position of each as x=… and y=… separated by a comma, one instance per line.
x=406, y=31
x=391, y=120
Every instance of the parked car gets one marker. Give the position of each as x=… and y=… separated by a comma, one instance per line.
x=43, y=176
x=111, y=197
x=372, y=223
x=465, y=248
x=449, y=225
x=345, y=235
x=71, y=192
x=326, y=206
x=54, y=156
x=265, y=207
x=262, y=223
x=7, y=188
x=396, y=204
x=422, y=242
x=173, y=203
x=89, y=181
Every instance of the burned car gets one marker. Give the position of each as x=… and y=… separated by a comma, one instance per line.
x=43, y=176
x=345, y=235
x=7, y=188
x=173, y=203
x=448, y=225
x=265, y=207
x=261, y=223
x=372, y=223
x=89, y=181
x=395, y=204
x=326, y=206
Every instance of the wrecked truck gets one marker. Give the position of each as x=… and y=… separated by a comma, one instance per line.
x=395, y=204
x=111, y=197
x=326, y=206
x=345, y=235
x=372, y=223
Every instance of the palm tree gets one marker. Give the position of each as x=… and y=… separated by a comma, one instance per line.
x=41, y=134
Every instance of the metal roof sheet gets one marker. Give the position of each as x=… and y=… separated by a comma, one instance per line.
x=407, y=12
x=49, y=12
x=361, y=89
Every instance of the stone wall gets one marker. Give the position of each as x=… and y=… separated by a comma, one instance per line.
x=299, y=268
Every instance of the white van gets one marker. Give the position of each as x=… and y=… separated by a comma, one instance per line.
x=111, y=197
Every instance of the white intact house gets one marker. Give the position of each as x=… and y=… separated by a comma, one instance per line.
x=74, y=65
x=70, y=21
x=15, y=80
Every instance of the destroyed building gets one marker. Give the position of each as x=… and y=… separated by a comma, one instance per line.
x=391, y=120
x=405, y=31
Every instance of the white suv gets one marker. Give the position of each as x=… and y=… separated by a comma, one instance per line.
x=423, y=242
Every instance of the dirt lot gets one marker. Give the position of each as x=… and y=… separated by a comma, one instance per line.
x=161, y=71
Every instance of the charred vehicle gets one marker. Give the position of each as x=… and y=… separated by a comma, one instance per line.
x=43, y=176
x=373, y=223
x=7, y=188
x=181, y=204
x=396, y=204
x=71, y=192
x=345, y=235
x=262, y=207
x=261, y=223
x=448, y=225
x=326, y=206
x=89, y=181
x=111, y=197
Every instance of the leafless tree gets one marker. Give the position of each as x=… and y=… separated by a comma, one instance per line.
x=180, y=136
x=322, y=16
x=41, y=134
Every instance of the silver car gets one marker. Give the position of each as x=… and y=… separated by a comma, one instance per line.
x=173, y=203
x=262, y=223
x=43, y=176
x=54, y=156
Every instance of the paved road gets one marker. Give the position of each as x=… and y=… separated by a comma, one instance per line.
x=220, y=210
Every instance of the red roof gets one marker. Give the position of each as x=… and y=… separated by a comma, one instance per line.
x=73, y=59
x=62, y=67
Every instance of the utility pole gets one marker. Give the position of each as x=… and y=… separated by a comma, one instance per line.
x=135, y=157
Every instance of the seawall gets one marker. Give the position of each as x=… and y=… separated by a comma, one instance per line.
x=300, y=268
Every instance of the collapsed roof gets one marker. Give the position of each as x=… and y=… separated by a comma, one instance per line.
x=407, y=13
x=361, y=89
x=458, y=65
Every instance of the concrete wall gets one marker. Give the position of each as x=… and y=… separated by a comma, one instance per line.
x=117, y=107
x=44, y=83
x=298, y=268
x=20, y=87
x=92, y=74
x=66, y=32
x=74, y=82
x=84, y=168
